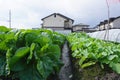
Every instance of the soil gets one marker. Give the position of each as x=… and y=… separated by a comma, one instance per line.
x=66, y=70
x=94, y=72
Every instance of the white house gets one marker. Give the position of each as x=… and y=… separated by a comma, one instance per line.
x=79, y=27
x=57, y=22
x=82, y=27
x=114, y=23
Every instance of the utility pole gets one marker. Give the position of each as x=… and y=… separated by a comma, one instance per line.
x=106, y=37
x=9, y=18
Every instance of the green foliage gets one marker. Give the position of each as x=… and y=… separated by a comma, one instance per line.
x=29, y=54
x=89, y=51
x=4, y=29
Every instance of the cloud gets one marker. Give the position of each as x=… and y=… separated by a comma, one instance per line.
x=28, y=13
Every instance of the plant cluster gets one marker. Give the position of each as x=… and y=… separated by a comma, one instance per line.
x=29, y=54
x=89, y=51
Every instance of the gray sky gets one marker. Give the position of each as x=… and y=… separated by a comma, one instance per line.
x=28, y=13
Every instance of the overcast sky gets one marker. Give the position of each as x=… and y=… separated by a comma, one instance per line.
x=28, y=13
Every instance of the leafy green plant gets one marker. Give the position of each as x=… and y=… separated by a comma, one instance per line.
x=89, y=51
x=29, y=54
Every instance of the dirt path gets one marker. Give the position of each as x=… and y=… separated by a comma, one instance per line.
x=66, y=70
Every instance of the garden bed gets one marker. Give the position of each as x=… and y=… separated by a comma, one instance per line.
x=94, y=72
x=94, y=59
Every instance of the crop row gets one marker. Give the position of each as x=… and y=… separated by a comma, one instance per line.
x=90, y=51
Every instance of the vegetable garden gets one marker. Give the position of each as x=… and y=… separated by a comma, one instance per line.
x=90, y=52
x=35, y=54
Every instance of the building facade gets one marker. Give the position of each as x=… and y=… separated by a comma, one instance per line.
x=114, y=23
x=79, y=27
x=57, y=21
x=62, y=24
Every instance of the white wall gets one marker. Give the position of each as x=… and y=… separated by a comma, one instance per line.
x=54, y=21
x=111, y=25
x=102, y=27
x=116, y=23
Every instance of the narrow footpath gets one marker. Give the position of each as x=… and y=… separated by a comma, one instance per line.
x=66, y=70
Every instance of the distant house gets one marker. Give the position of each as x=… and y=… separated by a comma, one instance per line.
x=102, y=25
x=57, y=22
x=114, y=24
x=80, y=27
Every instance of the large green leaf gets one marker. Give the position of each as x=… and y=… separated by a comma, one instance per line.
x=87, y=64
x=55, y=50
x=19, y=65
x=115, y=67
x=40, y=68
x=20, y=53
x=82, y=60
x=29, y=73
x=32, y=47
x=111, y=57
x=45, y=67
x=43, y=40
x=30, y=37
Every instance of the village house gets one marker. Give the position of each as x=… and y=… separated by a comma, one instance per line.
x=57, y=22
x=114, y=24
x=62, y=24
x=80, y=27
